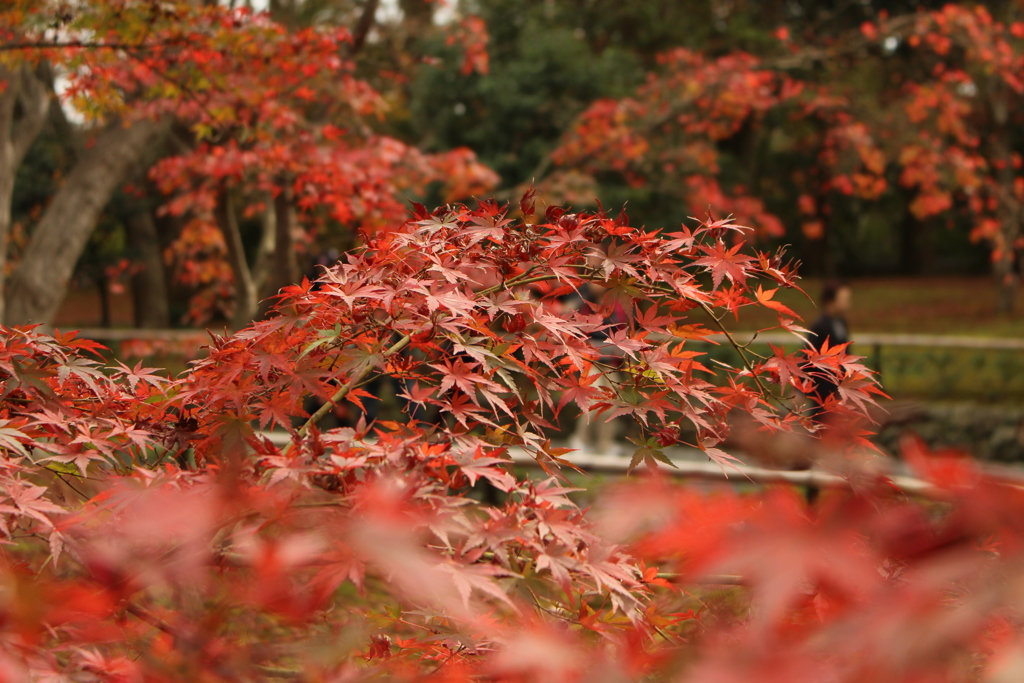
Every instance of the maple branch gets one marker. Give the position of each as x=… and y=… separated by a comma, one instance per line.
x=806, y=58
x=710, y=579
x=856, y=41
x=732, y=341
x=366, y=21
x=156, y=622
x=743, y=357
x=664, y=290
x=516, y=283
x=521, y=279
x=79, y=44
x=329, y=405
x=278, y=672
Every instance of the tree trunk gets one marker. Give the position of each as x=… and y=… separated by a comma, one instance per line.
x=1008, y=210
x=40, y=283
x=245, y=290
x=363, y=26
x=23, y=108
x=1006, y=279
x=265, y=251
x=820, y=254
x=8, y=167
x=912, y=228
x=149, y=285
x=286, y=262
x=169, y=229
x=103, y=288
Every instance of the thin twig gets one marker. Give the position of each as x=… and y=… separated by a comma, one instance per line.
x=447, y=659
x=60, y=476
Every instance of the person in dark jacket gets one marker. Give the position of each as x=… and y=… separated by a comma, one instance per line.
x=831, y=327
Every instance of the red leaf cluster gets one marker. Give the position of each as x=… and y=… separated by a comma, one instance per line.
x=939, y=119
x=153, y=531
x=271, y=109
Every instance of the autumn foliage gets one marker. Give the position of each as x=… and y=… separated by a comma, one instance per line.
x=209, y=526
x=257, y=117
x=153, y=532
x=920, y=106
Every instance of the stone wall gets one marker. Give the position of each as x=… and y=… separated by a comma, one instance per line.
x=988, y=432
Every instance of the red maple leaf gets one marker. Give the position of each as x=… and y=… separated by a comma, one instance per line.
x=724, y=263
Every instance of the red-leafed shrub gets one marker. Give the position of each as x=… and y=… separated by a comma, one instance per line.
x=154, y=533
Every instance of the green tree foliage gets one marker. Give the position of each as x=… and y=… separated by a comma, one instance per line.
x=543, y=73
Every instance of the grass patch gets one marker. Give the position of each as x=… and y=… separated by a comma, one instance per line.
x=923, y=305
x=926, y=373
x=931, y=305
x=928, y=305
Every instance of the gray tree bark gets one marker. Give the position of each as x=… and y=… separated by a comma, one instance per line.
x=265, y=251
x=38, y=286
x=285, y=260
x=23, y=108
x=246, y=296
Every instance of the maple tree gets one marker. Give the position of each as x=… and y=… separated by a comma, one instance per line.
x=919, y=106
x=962, y=150
x=152, y=531
x=268, y=122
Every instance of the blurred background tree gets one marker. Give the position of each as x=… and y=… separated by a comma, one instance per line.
x=798, y=117
x=244, y=138
x=550, y=60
